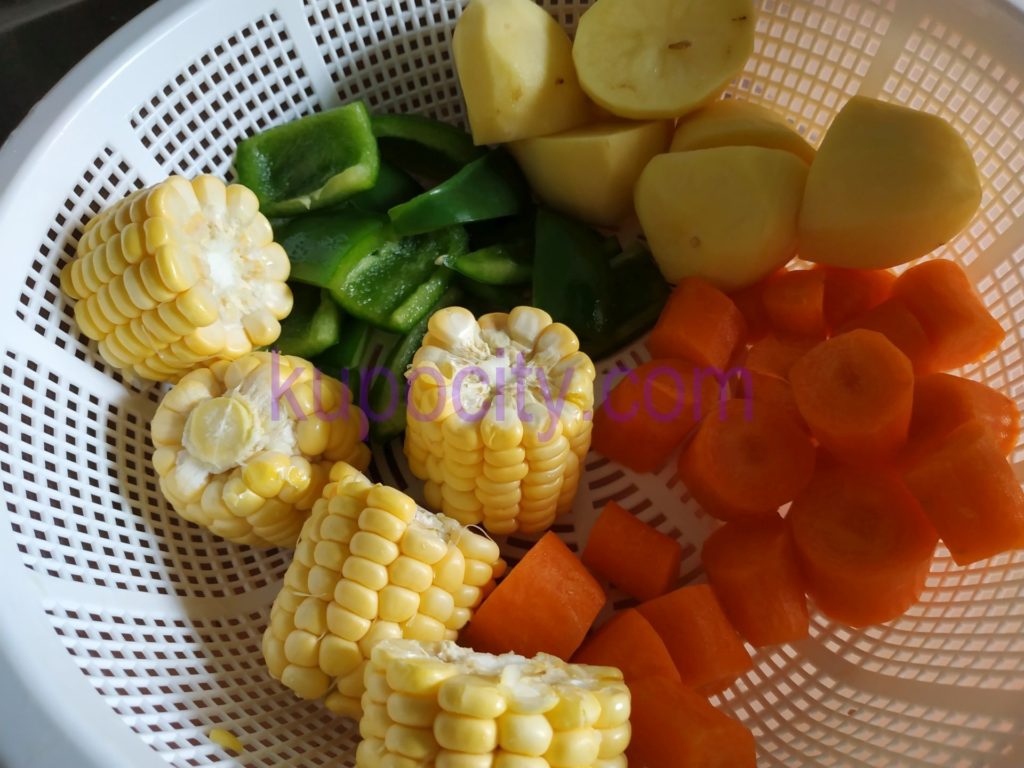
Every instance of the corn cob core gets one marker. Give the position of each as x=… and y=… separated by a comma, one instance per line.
x=179, y=274
x=436, y=705
x=370, y=565
x=499, y=417
x=232, y=460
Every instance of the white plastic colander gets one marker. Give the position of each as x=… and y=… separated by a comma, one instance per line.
x=126, y=634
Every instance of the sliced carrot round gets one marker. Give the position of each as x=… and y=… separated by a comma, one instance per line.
x=943, y=402
x=699, y=324
x=894, y=320
x=850, y=293
x=795, y=303
x=776, y=355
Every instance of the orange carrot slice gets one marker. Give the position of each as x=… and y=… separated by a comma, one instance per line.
x=630, y=643
x=856, y=391
x=747, y=461
x=960, y=328
x=651, y=410
x=899, y=325
x=971, y=494
x=704, y=645
x=755, y=574
x=864, y=545
x=795, y=303
x=849, y=293
x=699, y=324
x=675, y=727
x=546, y=604
x=771, y=390
x=635, y=557
x=943, y=402
x=776, y=355
x=750, y=302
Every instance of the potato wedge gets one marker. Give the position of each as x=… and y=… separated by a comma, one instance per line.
x=590, y=172
x=733, y=123
x=656, y=59
x=515, y=66
x=728, y=214
x=889, y=185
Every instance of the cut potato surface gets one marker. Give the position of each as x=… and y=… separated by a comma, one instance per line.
x=650, y=59
x=515, y=66
x=732, y=123
x=889, y=185
x=590, y=172
x=728, y=215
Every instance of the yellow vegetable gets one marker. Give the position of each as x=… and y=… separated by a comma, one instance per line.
x=654, y=59
x=498, y=421
x=233, y=461
x=514, y=63
x=436, y=705
x=728, y=215
x=590, y=172
x=889, y=185
x=370, y=566
x=227, y=740
x=733, y=123
x=178, y=275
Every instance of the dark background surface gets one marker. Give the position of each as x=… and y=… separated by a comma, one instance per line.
x=40, y=40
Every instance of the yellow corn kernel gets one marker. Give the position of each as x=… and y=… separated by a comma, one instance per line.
x=472, y=696
x=459, y=733
x=528, y=735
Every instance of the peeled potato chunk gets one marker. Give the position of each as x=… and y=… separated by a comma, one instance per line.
x=590, y=172
x=728, y=215
x=515, y=66
x=733, y=123
x=654, y=59
x=889, y=185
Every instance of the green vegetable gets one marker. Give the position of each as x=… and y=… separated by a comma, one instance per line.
x=318, y=244
x=345, y=359
x=394, y=186
x=488, y=188
x=310, y=163
x=424, y=146
x=483, y=298
x=313, y=324
x=501, y=264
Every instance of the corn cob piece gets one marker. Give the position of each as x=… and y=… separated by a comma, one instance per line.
x=436, y=705
x=232, y=459
x=370, y=565
x=177, y=275
x=499, y=417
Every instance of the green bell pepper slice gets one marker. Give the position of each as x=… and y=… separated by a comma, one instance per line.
x=394, y=186
x=313, y=325
x=345, y=359
x=318, y=244
x=310, y=163
x=499, y=264
x=424, y=146
x=488, y=188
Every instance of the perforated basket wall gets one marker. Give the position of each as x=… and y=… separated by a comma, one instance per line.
x=138, y=632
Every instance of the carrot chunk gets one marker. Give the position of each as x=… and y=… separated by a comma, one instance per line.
x=630, y=643
x=971, y=494
x=795, y=303
x=961, y=330
x=849, y=293
x=675, y=727
x=856, y=392
x=635, y=557
x=777, y=355
x=894, y=320
x=770, y=390
x=750, y=302
x=747, y=461
x=943, y=402
x=699, y=324
x=703, y=644
x=546, y=604
x=651, y=411
x=864, y=544
x=755, y=574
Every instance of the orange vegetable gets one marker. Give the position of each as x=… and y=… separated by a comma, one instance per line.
x=856, y=391
x=943, y=402
x=864, y=544
x=747, y=462
x=755, y=574
x=632, y=555
x=849, y=293
x=899, y=325
x=700, y=324
x=971, y=494
x=777, y=354
x=630, y=643
x=958, y=325
x=795, y=303
x=703, y=644
x=768, y=389
x=750, y=302
x=546, y=604
x=673, y=727
x=651, y=410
